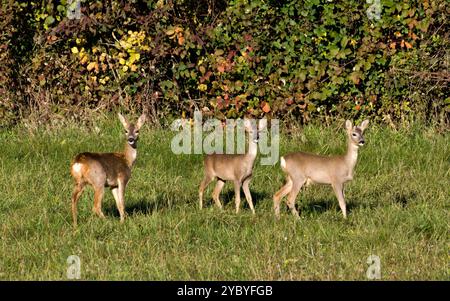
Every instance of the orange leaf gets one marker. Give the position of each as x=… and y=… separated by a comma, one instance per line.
x=392, y=45
x=265, y=107
x=180, y=40
x=408, y=45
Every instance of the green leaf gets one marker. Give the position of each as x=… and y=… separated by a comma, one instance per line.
x=49, y=20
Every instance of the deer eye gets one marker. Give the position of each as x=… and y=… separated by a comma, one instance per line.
x=354, y=135
x=137, y=132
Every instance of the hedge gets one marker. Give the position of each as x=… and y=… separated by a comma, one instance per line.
x=298, y=60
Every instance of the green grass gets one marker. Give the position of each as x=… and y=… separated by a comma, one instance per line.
x=398, y=209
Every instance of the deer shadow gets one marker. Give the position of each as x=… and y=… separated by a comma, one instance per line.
x=142, y=206
x=227, y=196
x=320, y=206
x=403, y=199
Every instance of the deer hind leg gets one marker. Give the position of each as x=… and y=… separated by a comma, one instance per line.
x=296, y=186
x=216, y=192
x=77, y=191
x=339, y=191
x=247, y=193
x=98, y=196
x=280, y=194
x=205, y=182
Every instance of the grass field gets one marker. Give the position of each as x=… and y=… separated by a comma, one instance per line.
x=398, y=210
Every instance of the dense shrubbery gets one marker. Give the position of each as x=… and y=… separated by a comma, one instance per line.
x=296, y=59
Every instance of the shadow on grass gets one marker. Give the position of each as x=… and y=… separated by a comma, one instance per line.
x=227, y=196
x=143, y=206
x=320, y=206
x=403, y=199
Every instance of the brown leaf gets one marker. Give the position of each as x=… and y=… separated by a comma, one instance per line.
x=355, y=77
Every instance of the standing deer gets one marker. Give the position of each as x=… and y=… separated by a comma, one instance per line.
x=301, y=168
x=102, y=170
x=232, y=167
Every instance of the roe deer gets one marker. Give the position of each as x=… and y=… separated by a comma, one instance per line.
x=102, y=170
x=232, y=167
x=301, y=168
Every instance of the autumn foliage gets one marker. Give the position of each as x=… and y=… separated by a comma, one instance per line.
x=295, y=60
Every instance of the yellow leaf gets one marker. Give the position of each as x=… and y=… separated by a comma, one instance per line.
x=134, y=57
x=202, y=87
x=125, y=45
x=84, y=59
x=74, y=50
x=90, y=66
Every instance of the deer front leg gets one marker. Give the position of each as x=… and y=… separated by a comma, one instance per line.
x=248, y=195
x=237, y=192
x=119, y=195
x=115, y=193
x=339, y=191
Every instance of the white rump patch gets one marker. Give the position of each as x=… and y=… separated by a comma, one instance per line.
x=282, y=163
x=77, y=167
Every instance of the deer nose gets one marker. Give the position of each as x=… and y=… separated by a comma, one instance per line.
x=130, y=139
x=361, y=142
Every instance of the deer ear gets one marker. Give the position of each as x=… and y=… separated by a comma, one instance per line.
x=364, y=125
x=348, y=125
x=123, y=120
x=140, y=121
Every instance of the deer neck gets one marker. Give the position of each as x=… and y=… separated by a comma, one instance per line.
x=130, y=154
x=351, y=156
